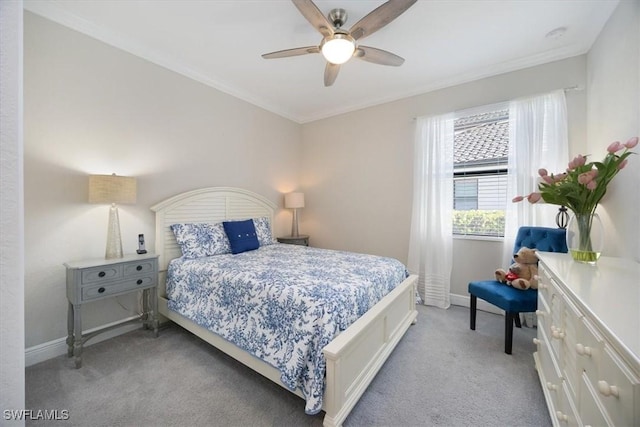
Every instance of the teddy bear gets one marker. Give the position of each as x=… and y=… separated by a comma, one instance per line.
x=523, y=273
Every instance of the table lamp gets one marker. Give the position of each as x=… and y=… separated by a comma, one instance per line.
x=112, y=189
x=294, y=201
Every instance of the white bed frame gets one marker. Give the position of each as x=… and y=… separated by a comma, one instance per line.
x=353, y=358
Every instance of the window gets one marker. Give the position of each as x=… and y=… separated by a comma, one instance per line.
x=481, y=147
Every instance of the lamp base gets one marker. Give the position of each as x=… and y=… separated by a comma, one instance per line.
x=114, y=240
x=294, y=224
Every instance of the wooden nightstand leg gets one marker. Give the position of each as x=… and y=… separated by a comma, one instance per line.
x=153, y=294
x=70, y=330
x=77, y=334
x=145, y=309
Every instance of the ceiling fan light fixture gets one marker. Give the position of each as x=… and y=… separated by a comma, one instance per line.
x=338, y=48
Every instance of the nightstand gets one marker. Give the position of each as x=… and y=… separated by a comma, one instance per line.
x=97, y=279
x=302, y=240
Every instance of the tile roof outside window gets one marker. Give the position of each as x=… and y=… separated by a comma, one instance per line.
x=481, y=138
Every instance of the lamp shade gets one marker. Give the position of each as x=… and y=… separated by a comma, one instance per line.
x=112, y=189
x=294, y=200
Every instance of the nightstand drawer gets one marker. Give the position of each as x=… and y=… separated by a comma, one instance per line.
x=100, y=291
x=100, y=274
x=141, y=267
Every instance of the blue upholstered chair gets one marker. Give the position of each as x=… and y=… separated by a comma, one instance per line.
x=515, y=301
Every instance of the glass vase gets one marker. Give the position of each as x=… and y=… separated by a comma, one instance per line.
x=585, y=237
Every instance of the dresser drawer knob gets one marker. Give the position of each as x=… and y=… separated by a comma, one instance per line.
x=557, y=333
x=552, y=386
x=542, y=286
x=102, y=274
x=139, y=268
x=139, y=282
x=608, y=390
x=540, y=313
x=101, y=290
x=561, y=416
x=582, y=350
x=536, y=341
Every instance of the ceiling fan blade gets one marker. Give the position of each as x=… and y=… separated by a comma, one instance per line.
x=291, y=52
x=378, y=56
x=310, y=11
x=330, y=73
x=380, y=17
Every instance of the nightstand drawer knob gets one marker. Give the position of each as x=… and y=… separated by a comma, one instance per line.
x=139, y=282
x=101, y=290
x=139, y=268
x=101, y=274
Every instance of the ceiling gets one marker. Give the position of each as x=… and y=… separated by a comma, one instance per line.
x=444, y=43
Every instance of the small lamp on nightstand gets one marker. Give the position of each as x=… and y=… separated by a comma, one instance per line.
x=294, y=201
x=112, y=189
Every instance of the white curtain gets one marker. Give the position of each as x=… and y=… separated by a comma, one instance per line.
x=431, y=240
x=537, y=139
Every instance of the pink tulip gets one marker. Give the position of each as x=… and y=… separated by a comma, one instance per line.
x=577, y=161
x=560, y=177
x=543, y=172
x=534, y=197
x=591, y=185
x=517, y=199
x=632, y=142
x=622, y=164
x=548, y=179
x=614, y=146
x=585, y=178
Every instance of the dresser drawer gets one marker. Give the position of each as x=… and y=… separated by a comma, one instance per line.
x=105, y=273
x=618, y=390
x=570, y=328
x=548, y=371
x=100, y=291
x=589, y=347
x=567, y=413
x=591, y=410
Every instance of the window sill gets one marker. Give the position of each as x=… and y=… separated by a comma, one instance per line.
x=471, y=237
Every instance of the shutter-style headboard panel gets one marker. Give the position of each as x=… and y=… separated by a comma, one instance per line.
x=214, y=204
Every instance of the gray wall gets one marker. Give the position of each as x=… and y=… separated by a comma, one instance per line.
x=613, y=113
x=357, y=174
x=91, y=108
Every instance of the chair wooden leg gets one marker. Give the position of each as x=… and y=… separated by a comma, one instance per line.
x=516, y=317
x=508, y=331
x=472, y=312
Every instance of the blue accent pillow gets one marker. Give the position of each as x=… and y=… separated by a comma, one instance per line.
x=242, y=235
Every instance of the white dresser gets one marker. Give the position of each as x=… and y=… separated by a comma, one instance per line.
x=588, y=344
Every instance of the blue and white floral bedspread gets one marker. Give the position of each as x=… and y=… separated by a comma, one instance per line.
x=282, y=303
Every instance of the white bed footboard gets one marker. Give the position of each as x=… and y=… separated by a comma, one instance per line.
x=356, y=355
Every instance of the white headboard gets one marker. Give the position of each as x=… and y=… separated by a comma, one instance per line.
x=213, y=204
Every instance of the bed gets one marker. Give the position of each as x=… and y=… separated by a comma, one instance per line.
x=352, y=358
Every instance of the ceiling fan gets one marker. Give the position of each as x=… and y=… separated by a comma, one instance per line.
x=339, y=45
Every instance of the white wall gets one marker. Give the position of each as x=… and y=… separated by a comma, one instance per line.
x=357, y=174
x=11, y=213
x=91, y=108
x=613, y=71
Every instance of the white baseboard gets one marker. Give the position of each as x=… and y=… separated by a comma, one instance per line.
x=49, y=350
x=465, y=301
